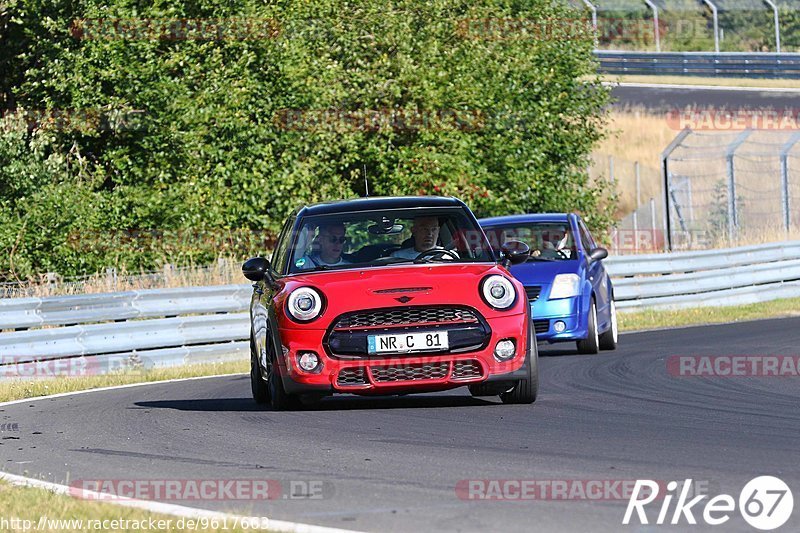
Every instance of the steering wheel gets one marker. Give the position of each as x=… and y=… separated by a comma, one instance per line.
x=440, y=253
x=562, y=254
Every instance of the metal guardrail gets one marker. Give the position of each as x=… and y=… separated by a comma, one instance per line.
x=736, y=64
x=730, y=276
x=101, y=333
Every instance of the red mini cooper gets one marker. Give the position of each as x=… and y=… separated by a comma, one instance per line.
x=388, y=296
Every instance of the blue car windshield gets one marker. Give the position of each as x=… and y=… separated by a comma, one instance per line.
x=550, y=241
x=387, y=237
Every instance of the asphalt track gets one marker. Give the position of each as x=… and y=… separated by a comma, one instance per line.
x=665, y=99
x=392, y=464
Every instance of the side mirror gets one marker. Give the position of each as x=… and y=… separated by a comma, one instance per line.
x=256, y=268
x=597, y=254
x=515, y=252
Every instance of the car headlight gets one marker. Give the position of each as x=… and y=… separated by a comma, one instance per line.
x=304, y=304
x=565, y=286
x=498, y=292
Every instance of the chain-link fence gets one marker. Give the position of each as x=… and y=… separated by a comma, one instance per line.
x=640, y=204
x=733, y=187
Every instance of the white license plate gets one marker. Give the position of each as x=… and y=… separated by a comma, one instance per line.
x=408, y=342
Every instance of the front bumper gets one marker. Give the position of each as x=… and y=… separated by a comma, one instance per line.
x=546, y=313
x=401, y=373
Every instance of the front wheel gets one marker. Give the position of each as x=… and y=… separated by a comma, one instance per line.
x=526, y=389
x=257, y=385
x=608, y=340
x=591, y=344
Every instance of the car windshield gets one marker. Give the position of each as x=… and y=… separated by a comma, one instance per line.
x=387, y=237
x=548, y=241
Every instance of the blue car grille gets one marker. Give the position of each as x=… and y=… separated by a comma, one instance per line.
x=533, y=292
x=541, y=326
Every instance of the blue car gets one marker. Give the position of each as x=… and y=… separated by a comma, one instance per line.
x=571, y=295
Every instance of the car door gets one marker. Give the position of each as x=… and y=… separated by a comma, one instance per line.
x=598, y=277
x=263, y=293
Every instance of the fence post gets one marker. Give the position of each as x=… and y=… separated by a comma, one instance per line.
x=785, y=149
x=665, y=155
x=656, y=29
x=772, y=5
x=733, y=210
x=636, y=211
x=715, y=15
x=611, y=170
x=653, y=222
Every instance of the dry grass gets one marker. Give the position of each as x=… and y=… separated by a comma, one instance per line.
x=225, y=271
x=31, y=509
x=15, y=389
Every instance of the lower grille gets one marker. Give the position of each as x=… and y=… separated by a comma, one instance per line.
x=533, y=292
x=541, y=326
x=352, y=377
x=466, y=370
x=419, y=372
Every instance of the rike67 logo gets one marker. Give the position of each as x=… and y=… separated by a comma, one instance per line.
x=765, y=503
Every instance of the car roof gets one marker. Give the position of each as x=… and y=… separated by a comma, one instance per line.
x=530, y=217
x=376, y=203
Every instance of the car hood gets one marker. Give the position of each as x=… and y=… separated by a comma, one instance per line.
x=543, y=272
x=397, y=286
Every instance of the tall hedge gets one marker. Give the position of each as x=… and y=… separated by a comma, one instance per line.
x=110, y=134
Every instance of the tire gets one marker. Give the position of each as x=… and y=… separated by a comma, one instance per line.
x=591, y=344
x=526, y=389
x=257, y=385
x=278, y=397
x=608, y=340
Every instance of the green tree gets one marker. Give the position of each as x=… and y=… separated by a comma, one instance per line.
x=442, y=97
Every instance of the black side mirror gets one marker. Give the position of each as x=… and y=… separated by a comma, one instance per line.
x=514, y=252
x=597, y=254
x=256, y=268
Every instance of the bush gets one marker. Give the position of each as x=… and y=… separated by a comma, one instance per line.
x=137, y=136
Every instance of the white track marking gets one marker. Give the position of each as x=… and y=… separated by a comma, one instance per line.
x=151, y=506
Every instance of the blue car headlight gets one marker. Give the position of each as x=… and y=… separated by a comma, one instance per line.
x=565, y=286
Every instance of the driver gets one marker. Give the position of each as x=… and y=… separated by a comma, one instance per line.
x=328, y=245
x=425, y=231
x=556, y=244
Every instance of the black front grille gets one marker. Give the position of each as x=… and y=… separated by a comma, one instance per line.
x=533, y=292
x=403, y=316
x=416, y=372
x=466, y=370
x=352, y=377
x=541, y=326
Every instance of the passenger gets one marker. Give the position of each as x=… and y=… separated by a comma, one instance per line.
x=328, y=246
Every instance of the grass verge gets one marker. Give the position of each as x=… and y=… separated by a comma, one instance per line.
x=29, y=388
x=24, y=507
x=658, y=319
x=696, y=80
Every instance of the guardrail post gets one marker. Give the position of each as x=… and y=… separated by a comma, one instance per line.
x=656, y=29
x=665, y=172
x=715, y=15
x=785, y=149
x=771, y=4
x=733, y=211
